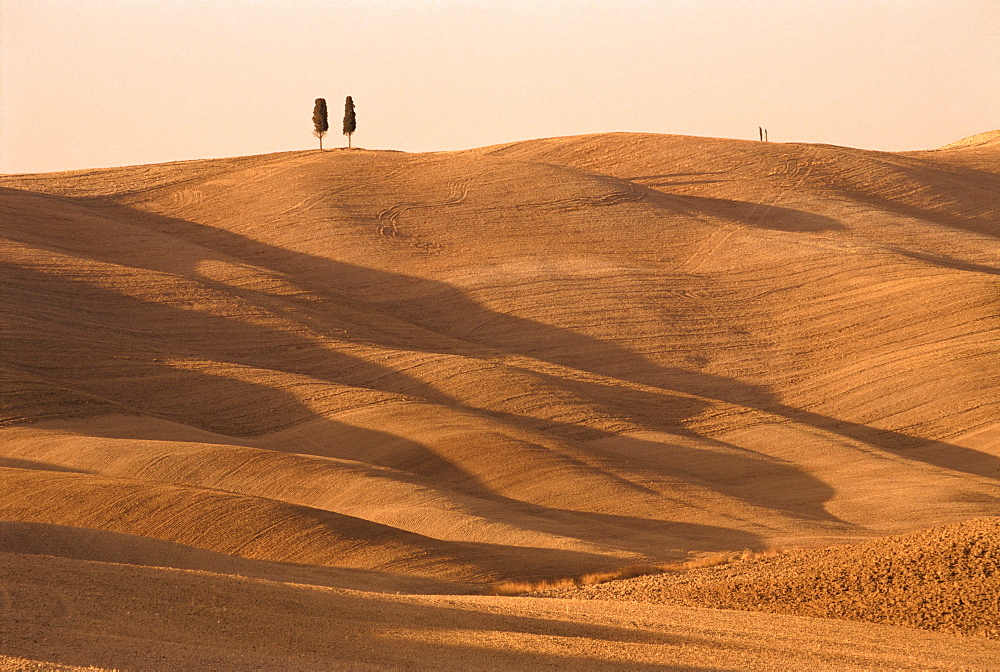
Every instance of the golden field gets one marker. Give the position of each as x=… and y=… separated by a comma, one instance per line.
x=300, y=411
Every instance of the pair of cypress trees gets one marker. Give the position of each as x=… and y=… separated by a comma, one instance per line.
x=321, y=124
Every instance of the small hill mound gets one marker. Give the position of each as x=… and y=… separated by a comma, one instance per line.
x=980, y=152
x=255, y=527
x=944, y=578
x=977, y=140
x=102, y=546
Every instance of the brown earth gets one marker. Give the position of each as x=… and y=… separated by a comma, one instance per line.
x=127, y=617
x=424, y=373
x=945, y=578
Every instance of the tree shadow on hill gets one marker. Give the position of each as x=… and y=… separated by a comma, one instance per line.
x=138, y=352
x=598, y=356
x=155, y=359
x=226, y=340
x=957, y=189
x=654, y=537
x=20, y=463
x=98, y=545
x=948, y=262
x=936, y=453
x=758, y=215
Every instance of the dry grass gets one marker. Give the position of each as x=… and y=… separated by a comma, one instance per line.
x=627, y=572
x=12, y=664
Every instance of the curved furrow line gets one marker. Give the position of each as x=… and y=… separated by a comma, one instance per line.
x=387, y=219
x=240, y=525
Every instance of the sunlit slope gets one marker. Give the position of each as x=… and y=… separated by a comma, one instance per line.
x=943, y=578
x=96, y=545
x=575, y=351
x=259, y=528
x=977, y=152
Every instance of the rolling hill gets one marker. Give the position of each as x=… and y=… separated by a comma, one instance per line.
x=284, y=377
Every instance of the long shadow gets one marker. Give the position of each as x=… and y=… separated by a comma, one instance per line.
x=653, y=537
x=96, y=545
x=19, y=463
x=460, y=491
x=948, y=262
x=936, y=453
x=759, y=215
x=716, y=465
x=113, y=349
x=650, y=536
x=330, y=279
x=126, y=349
x=975, y=190
x=739, y=473
x=320, y=273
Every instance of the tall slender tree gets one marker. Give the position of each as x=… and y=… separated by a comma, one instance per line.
x=350, y=122
x=320, y=122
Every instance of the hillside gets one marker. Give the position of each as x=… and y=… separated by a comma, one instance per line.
x=423, y=373
x=944, y=578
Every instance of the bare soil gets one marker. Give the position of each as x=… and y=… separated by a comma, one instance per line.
x=294, y=410
x=945, y=579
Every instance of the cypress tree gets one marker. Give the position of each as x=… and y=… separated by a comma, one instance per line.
x=320, y=122
x=350, y=123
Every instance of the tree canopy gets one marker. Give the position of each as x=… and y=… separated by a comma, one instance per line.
x=350, y=121
x=321, y=123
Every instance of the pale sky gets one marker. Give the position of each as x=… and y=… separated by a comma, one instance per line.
x=93, y=83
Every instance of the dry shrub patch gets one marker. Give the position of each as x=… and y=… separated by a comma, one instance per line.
x=627, y=572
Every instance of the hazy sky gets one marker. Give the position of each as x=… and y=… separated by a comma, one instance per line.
x=89, y=83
